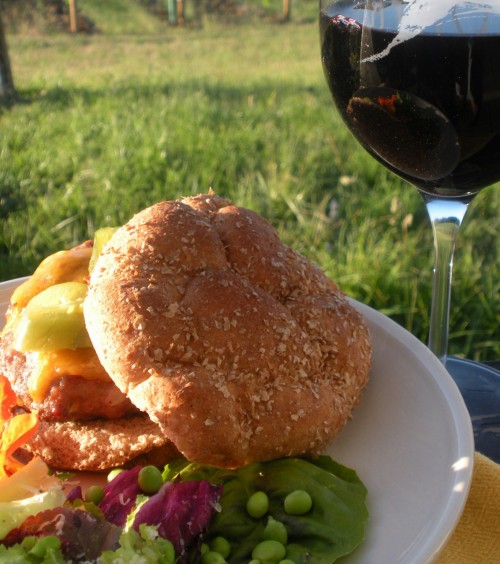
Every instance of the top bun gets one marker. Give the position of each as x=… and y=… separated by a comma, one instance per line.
x=240, y=348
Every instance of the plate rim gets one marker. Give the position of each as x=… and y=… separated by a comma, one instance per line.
x=433, y=545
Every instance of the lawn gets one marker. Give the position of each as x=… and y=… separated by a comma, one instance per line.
x=111, y=122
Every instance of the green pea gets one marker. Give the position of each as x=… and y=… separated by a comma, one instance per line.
x=286, y=561
x=258, y=505
x=254, y=561
x=113, y=474
x=212, y=557
x=298, y=502
x=275, y=530
x=94, y=494
x=44, y=544
x=221, y=545
x=269, y=551
x=149, y=479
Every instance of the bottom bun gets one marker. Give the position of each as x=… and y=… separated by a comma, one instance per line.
x=101, y=444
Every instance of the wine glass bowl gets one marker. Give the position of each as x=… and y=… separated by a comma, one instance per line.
x=418, y=84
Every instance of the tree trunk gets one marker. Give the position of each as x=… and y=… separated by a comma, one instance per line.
x=8, y=91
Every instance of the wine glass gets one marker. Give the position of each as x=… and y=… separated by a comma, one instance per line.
x=418, y=84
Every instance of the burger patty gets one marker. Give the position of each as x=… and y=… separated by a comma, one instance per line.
x=73, y=398
x=69, y=398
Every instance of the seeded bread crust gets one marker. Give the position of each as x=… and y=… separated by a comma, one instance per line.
x=240, y=348
x=101, y=444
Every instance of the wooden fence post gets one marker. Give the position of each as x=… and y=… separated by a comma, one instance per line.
x=180, y=12
x=73, y=16
x=287, y=10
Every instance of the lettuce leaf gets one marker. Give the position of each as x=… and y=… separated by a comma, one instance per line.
x=21, y=554
x=144, y=546
x=135, y=547
x=12, y=514
x=120, y=496
x=181, y=511
x=83, y=535
x=334, y=526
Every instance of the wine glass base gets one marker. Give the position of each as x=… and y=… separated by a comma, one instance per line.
x=479, y=385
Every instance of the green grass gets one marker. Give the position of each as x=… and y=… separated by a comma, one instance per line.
x=119, y=17
x=115, y=121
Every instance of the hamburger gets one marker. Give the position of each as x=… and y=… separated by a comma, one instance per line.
x=202, y=334
x=84, y=421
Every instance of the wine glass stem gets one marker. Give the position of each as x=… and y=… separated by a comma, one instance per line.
x=446, y=217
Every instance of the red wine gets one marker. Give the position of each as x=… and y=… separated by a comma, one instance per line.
x=425, y=104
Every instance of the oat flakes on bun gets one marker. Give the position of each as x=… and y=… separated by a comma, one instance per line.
x=236, y=346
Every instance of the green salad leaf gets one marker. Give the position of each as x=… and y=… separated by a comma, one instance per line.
x=333, y=527
x=136, y=547
x=142, y=547
x=32, y=551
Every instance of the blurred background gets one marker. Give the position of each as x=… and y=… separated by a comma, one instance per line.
x=108, y=107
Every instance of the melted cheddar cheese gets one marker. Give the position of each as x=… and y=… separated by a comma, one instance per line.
x=65, y=362
x=63, y=266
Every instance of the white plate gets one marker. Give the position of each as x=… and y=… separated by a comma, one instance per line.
x=410, y=441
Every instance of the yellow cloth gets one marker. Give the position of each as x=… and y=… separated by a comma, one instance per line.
x=476, y=540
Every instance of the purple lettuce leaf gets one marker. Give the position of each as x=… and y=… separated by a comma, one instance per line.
x=181, y=511
x=120, y=496
x=74, y=494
